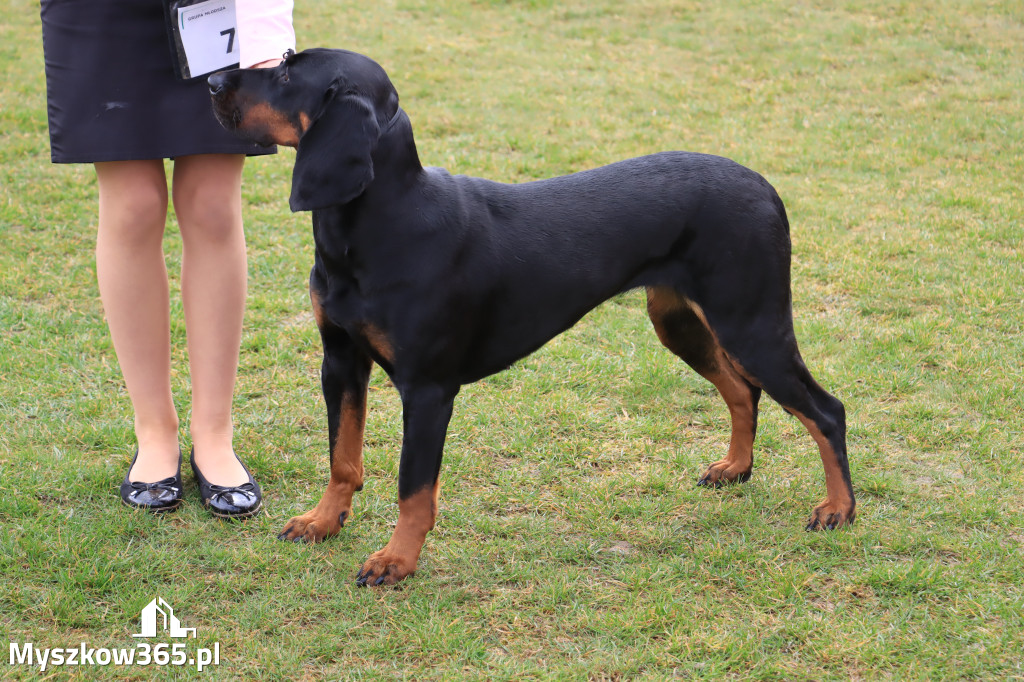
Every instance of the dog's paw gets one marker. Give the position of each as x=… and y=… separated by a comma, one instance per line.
x=312, y=527
x=724, y=471
x=385, y=568
x=831, y=515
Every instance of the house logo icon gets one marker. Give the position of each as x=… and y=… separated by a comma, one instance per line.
x=158, y=613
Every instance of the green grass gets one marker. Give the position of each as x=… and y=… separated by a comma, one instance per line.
x=572, y=542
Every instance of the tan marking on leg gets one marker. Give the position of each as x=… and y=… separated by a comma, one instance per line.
x=416, y=517
x=715, y=365
x=335, y=506
x=319, y=314
x=739, y=460
x=838, y=508
x=661, y=301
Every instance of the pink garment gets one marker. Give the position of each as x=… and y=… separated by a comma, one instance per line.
x=264, y=30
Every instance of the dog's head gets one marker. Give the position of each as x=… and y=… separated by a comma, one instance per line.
x=329, y=104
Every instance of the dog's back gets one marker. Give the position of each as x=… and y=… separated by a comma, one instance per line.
x=580, y=239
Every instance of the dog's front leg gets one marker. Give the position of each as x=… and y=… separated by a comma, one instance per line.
x=425, y=415
x=345, y=375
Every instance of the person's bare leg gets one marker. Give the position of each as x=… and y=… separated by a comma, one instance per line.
x=208, y=202
x=133, y=287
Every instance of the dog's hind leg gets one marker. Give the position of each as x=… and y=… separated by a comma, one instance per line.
x=683, y=329
x=783, y=375
x=764, y=352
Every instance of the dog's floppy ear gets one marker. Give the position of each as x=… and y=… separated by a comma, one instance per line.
x=333, y=163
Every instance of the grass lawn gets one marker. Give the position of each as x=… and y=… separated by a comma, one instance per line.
x=572, y=542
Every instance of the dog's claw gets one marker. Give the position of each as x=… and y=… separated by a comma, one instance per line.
x=718, y=476
x=312, y=527
x=829, y=521
x=384, y=569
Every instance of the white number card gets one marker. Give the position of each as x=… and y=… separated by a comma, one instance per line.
x=208, y=35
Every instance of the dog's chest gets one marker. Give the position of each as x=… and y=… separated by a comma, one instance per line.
x=347, y=307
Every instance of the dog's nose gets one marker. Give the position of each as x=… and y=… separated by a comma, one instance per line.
x=216, y=83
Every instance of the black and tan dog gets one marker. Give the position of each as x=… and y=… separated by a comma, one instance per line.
x=443, y=280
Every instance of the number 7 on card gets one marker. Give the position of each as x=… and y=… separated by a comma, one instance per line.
x=204, y=35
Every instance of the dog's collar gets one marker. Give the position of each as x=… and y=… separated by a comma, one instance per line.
x=394, y=119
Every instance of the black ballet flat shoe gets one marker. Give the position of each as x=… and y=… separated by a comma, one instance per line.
x=229, y=502
x=159, y=497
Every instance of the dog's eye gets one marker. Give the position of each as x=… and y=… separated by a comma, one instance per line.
x=283, y=77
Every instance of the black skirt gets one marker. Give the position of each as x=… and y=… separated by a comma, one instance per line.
x=111, y=90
